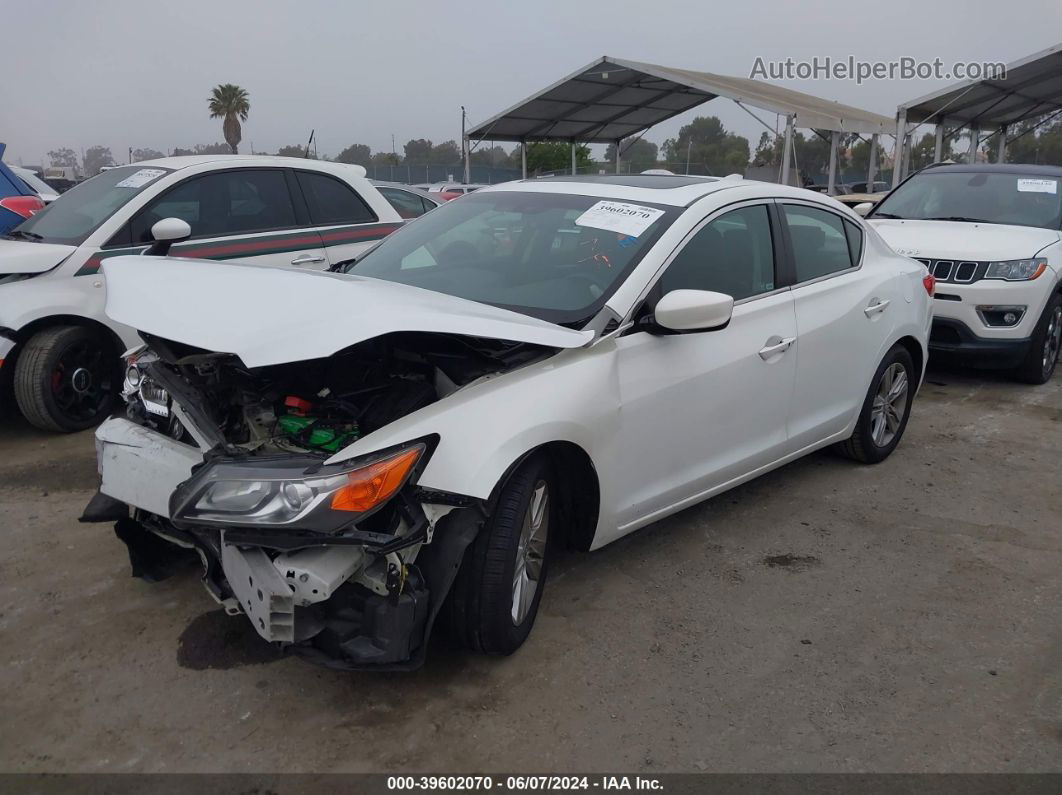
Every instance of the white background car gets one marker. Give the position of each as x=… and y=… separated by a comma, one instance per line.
x=45, y=191
x=991, y=236
x=56, y=345
x=556, y=361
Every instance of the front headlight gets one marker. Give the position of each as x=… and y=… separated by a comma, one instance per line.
x=1016, y=270
x=293, y=491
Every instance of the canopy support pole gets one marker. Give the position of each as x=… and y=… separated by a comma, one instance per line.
x=835, y=142
x=971, y=156
x=617, y=155
x=573, y=157
x=523, y=159
x=897, y=155
x=872, y=165
x=938, y=143
x=1001, y=157
x=787, y=149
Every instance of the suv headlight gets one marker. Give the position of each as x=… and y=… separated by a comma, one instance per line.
x=1016, y=270
x=294, y=491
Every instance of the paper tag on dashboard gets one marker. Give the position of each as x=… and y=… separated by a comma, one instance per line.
x=1038, y=185
x=627, y=219
x=139, y=178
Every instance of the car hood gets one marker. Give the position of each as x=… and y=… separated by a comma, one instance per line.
x=22, y=256
x=957, y=240
x=269, y=315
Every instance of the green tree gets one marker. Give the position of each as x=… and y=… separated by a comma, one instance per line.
x=418, y=151
x=709, y=146
x=64, y=157
x=146, y=154
x=232, y=104
x=95, y=158
x=922, y=152
x=546, y=156
x=359, y=154
x=445, y=154
x=292, y=150
x=496, y=157
x=1028, y=143
x=637, y=155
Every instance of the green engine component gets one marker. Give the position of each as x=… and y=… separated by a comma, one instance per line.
x=317, y=434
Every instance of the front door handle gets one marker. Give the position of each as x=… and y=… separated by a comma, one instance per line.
x=781, y=346
x=307, y=259
x=874, y=309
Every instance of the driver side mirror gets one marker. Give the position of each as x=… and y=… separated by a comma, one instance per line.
x=693, y=310
x=863, y=208
x=167, y=232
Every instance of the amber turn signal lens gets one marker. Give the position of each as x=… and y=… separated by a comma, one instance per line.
x=374, y=484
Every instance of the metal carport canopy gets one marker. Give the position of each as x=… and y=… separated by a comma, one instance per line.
x=611, y=99
x=1033, y=87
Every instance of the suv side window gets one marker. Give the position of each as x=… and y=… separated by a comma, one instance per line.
x=224, y=203
x=406, y=204
x=734, y=254
x=821, y=244
x=332, y=201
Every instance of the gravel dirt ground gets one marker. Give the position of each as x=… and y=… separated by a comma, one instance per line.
x=826, y=617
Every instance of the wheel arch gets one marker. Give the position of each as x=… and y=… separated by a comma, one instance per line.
x=918, y=355
x=580, y=497
x=48, y=321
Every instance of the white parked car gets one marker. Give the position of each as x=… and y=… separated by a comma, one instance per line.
x=58, y=349
x=545, y=362
x=45, y=191
x=990, y=234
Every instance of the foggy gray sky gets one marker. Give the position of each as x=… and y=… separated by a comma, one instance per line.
x=124, y=73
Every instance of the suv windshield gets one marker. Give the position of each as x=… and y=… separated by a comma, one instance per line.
x=987, y=197
x=535, y=253
x=77, y=213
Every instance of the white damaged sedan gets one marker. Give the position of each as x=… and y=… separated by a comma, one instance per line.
x=352, y=455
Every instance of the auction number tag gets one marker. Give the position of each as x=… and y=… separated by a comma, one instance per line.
x=139, y=178
x=626, y=219
x=1038, y=185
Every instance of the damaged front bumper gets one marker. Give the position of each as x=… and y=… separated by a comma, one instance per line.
x=353, y=598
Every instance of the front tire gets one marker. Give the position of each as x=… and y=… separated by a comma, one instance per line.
x=495, y=598
x=1040, y=361
x=66, y=378
x=885, y=412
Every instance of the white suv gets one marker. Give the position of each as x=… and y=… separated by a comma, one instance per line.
x=990, y=234
x=57, y=347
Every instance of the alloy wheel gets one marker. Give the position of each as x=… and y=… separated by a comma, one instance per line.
x=530, y=552
x=886, y=413
x=81, y=381
x=1053, y=340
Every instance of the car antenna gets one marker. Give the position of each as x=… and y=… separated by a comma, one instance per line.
x=307, y=155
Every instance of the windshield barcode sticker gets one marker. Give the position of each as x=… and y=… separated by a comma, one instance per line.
x=140, y=178
x=1038, y=185
x=627, y=219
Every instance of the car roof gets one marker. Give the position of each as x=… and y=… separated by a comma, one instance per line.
x=188, y=161
x=997, y=168
x=677, y=191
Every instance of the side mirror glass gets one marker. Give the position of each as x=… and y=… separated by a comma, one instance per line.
x=693, y=310
x=167, y=232
x=863, y=208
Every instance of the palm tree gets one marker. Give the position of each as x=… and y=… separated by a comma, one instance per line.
x=232, y=103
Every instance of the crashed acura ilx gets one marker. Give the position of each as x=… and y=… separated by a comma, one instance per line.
x=354, y=456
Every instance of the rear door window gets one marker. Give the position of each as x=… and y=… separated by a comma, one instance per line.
x=331, y=201
x=406, y=204
x=820, y=243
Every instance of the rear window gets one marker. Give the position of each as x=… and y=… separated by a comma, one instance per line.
x=76, y=214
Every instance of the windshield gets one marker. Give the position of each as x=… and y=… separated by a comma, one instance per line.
x=987, y=197
x=77, y=213
x=535, y=253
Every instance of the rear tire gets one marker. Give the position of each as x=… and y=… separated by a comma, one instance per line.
x=66, y=378
x=1040, y=361
x=489, y=610
x=885, y=412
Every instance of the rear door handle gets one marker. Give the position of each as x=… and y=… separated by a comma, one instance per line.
x=778, y=347
x=873, y=309
x=307, y=259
